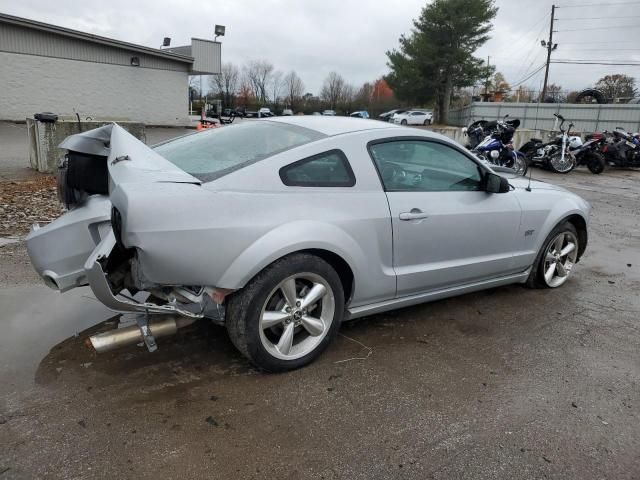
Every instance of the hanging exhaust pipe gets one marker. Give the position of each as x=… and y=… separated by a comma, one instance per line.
x=121, y=337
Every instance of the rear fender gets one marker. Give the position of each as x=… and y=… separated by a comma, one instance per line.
x=287, y=239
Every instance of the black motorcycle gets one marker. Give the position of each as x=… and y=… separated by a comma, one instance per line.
x=620, y=148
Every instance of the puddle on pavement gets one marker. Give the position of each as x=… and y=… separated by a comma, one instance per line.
x=43, y=343
x=35, y=318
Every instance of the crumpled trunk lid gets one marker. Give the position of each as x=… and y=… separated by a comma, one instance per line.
x=128, y=159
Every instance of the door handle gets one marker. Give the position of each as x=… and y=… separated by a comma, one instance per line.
x=414, y=214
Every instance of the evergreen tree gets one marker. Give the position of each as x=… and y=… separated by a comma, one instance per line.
x=438, y=54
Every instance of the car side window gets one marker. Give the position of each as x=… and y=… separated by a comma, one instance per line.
x=423, y=166
x=416, y=114
x=327, y=169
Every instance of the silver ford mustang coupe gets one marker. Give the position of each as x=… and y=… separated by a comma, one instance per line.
x=283, y=228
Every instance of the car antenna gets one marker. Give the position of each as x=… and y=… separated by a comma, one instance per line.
x=528, y=189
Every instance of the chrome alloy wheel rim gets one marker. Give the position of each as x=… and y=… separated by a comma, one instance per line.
x=560, y=258
x=561, y=164
x=296, y=316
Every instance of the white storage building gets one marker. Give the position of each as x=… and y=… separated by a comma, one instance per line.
x=46, y=68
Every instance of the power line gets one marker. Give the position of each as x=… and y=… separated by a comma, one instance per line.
x=587, y=62
x=605, y=50
x=594, y=18
x=599, y=43
x=514, y=47
x=606, y=4
x=608, y=27
x=536, y=71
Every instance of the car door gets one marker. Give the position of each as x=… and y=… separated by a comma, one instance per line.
x=447, y=230
x=416, y=118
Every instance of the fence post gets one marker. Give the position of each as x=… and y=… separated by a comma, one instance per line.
x=524, y=120
x=598, y=117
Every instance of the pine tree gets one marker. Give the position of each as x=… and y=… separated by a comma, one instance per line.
x=438, y=55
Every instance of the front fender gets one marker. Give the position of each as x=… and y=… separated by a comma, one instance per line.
x=560, y=212
x=289, y=238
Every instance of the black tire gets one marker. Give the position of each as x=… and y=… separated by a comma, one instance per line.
x=595, y=162
x=244, y=307
x=425, y=123
x=403, y=122
x=536, y=277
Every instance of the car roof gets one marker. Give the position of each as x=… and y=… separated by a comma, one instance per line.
x=333, y=125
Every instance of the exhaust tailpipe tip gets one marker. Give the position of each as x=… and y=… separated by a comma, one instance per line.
x=131, y=335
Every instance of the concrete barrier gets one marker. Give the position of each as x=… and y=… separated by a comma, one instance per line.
x=43, y=138
x=521, y=136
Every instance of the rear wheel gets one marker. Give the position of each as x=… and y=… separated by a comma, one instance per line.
x=520, y=164
x=556, y=259
x=595, y=162
x=288, y=314
x=403, y=122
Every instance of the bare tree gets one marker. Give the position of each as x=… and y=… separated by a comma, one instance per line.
x=347, y=97
x=332, y=87
x=226, y=83
x=617, y=86
x=258, y=73
x=276, y=84
x=194, y=86
x=364, y=95
x=294, y=89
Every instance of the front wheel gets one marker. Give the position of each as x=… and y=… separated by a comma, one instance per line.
x=288, y=314
x=556, y=258
x=562, y=165
x=403, y=122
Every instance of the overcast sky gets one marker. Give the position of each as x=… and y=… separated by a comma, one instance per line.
x=351, y=37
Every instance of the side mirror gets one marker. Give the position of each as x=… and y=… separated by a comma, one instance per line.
x=496, y=184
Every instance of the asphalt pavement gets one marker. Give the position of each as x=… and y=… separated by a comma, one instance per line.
x=506, y=383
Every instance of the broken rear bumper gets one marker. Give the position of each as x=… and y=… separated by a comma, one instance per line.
x=99, y=284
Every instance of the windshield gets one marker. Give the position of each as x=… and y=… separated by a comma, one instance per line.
x=216, y=152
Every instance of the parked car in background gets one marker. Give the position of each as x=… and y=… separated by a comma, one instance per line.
x=246, y=225
x=265, y=112
x=287, y=112
x=316, y=113
x=413, y=117
x=360, y=114
x=330, y=113
x=388, y=116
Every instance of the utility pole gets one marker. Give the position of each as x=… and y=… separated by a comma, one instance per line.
x=486, y=83
x=550, y=47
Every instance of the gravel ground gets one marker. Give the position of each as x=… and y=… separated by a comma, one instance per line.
x=25, y=202
x=506, y=383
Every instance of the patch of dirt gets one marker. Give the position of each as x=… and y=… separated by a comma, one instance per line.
x=23, y=203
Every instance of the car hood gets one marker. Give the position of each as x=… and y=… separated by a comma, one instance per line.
x=523, y=182
x=128, y=159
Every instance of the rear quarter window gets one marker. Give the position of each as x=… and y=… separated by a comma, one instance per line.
x=327, y=169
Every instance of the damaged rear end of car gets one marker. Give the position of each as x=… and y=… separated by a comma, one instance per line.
x=97, y=180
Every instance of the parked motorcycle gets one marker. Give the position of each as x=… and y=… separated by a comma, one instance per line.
x=620, y=148
x=492, y=142
x=564, y=152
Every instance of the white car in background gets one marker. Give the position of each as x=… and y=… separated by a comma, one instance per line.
x=413, y=117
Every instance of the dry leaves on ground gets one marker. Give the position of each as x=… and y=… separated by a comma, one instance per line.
x=23, y=203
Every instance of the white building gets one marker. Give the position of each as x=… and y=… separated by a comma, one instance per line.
x=46, y=68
